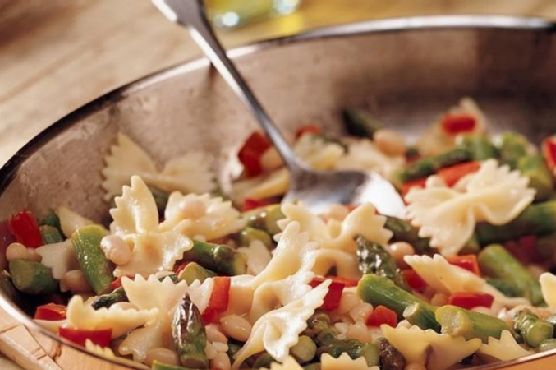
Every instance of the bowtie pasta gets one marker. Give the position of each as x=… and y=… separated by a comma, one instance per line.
x=182, y=277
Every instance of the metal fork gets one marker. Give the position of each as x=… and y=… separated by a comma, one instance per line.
x=317, y=190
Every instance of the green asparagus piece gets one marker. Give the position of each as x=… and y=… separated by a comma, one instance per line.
x=263, y=359
x=94, y=265
x=503, y=286
x=304, y=350
x=32, y=277
x=428, y=166
x=108, y=299
x=513, y=146
x=540, y=178
x=403, y=231
x=480, y=147
x=536, y=219
x=50, y=234
x=193, y=271
x=379, y=290
x=469, y=324
x=160, y=198
x=418, y=315
x=533, y=329
x=265, y=218
x=547, y=345
x=218, y=258
x=51, y=219
x=189, y=335
x=353, y=347
x=250, y=234
x=390, y=357
x=498, y=263
x=371, y=354
x=373, y=258
x=317, y=323
x=359, y=123
x=160, y=366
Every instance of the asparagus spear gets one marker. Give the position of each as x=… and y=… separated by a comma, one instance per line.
x=479, y=146
x=193, y=271
x=265, y=218
x=469, y=324
x=51, y=219
x=108, y=299
x=428, y=166
x=537, y=219
x=379, y=290
x=250, y=234
x=503, y=286
x=95, y=266
x=540, y=178
x=496, y=262
x=403, y=231
x=219, y=258
x=533, y=329
x=189, y=335
x=359, y=123
x=373, y=258
x=304, y=350
x=32, y=277
x=390, y=357
x=335, y=348
x=513, y=146
x=50, y=234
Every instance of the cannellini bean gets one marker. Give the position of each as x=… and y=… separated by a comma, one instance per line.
x=221, y=361
x=360, y=332
x=17, y=251
x=271, y=160
x=75, y=281
x=360, y=312
x=389, y=142
x=439, y=299
x=192, y=208
x=214, y=334
x=399, y=250
x=348, y=301
x=236, y=327
x=116, y=249
x=163, y=355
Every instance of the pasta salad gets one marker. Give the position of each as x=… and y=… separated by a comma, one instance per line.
x=185, y=277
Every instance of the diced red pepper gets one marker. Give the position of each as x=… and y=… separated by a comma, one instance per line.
x=451, y=175
x=116, y=283
x=307, y=129
x=348, y=283
x=413, y=279
x=218, y=301
x=100, y=337
x=249, y=204
x=471, y=300
x=25, y=228
x=453, y=124
x=382, y=315
x=408, y=185
x=180, y=266
x=549, y=152
x=50, y=312
x=334, y=295
x=467, y=262
x=251, y=152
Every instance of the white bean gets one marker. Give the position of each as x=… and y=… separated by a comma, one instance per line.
x=360, y=312
x=163, y=355
x=359, y=331
x=75, y=281
x=116, y=249
x=17, y=251
x=236, y=327
x=389, y=142
x=221, y=361
x=214, y=334
x=348, y=301
x=399, y=250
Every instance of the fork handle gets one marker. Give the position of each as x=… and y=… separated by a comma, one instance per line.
x=191, y=14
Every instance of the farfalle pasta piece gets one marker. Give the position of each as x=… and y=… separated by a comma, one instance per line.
x=257, y=256
x=70, y=220
x=503, y=349
x=106, y=352
x=81, y=315
x=147, y=294
x=438, y=351
x=201, y=215
x=334, y=235
x=278, y=330
x=548, y=288
x=448, y=215
x=444, y=277
x=128, y=159
x=343, y=362
x=320, y=261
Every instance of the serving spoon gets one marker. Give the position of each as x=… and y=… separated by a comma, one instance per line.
x=317, y=190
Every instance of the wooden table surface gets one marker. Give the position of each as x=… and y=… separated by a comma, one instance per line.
x=56, y=55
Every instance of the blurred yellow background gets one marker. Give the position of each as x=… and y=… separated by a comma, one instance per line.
x=56, y=55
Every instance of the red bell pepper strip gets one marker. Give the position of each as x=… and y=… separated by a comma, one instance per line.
x=25, y=228
x=251, y=152
x=348, y=283
x=407, y=186
x=382, y=315
x=218, y=301
x=50, y=312
x=250, y=204
x=549, y=152
x=101, y=337
x=451, y=175
x=413, y=279
x=467, y=262
x=335, y=289
x=471, y=300
x=307, y=129
x=453, y=124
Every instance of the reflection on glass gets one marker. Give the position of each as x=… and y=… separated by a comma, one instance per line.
x=233, y=13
